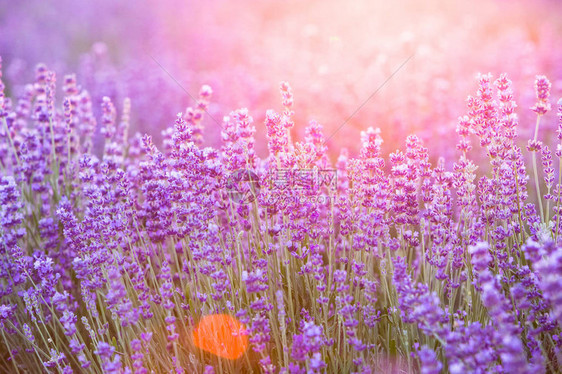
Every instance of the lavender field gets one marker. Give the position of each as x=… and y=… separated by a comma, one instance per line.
x=281, y=187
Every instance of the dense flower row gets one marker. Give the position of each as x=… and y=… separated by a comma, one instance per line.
x=364, y=265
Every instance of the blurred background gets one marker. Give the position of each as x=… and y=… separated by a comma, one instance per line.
x=334, y=54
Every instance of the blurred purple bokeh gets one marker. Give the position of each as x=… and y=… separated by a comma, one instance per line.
x=335, y=54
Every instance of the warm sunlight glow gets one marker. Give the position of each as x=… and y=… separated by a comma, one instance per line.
x=221, y=335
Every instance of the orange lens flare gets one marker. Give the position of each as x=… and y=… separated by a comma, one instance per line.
x=221, y=335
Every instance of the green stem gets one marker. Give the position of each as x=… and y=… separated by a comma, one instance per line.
x=535, y=172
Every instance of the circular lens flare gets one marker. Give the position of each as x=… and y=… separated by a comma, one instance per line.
x=221, y=335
